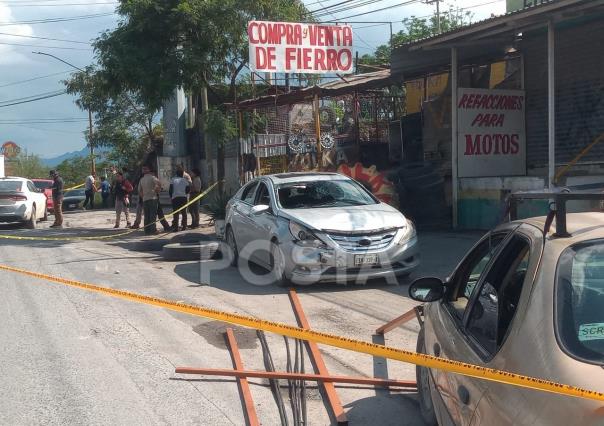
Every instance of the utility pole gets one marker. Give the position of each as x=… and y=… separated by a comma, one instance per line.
x=438, y=27
x=92, y=164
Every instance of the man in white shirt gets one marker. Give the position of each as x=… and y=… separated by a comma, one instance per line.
x=148, y=189
x=179, y=190
x=90, y=189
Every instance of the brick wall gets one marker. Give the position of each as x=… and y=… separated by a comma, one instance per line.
x=579, y=92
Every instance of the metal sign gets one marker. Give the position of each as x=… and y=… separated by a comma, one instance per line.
x=10, y=149
x=300, y=48
x=491, y=135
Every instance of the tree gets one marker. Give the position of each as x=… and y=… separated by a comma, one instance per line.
x=122, y=122
x=162, y=44
x=415, y=28
x=74, y=170
x=28, y=166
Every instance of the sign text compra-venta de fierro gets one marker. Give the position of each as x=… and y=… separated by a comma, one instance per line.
x=300, y=48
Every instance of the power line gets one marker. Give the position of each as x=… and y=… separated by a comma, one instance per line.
x=46, y=130
x=60, y=19
x=62, y=92
x=45, y=38
x=75, y=120
x=60, y=4
x=356, y=35
x=379, y=10
x=44, y=46
x=361, y=3
x=35, y=78
x=323, y=7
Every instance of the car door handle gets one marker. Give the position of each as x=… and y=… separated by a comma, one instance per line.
x=464, y=394
x=436, y=348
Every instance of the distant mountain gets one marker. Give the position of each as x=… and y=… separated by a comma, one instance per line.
x=55, y=161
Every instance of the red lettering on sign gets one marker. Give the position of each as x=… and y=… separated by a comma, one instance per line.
x=332, y=60
x=250, y=32
x=290, y=55
x=472, y=146
x=515, y=144
x=320, y=59
x=462, y=101
x=343, y=66
x=347, y=36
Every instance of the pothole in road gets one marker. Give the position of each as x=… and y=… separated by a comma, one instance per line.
x=214, y=333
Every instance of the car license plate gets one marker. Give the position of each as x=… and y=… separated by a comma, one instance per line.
x=72, y=206
x=366, y=259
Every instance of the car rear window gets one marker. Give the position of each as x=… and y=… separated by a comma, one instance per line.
x=43, y=184
x=10, y=185
x=580, y=301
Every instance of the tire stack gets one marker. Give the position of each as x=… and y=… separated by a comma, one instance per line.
x=421, y=190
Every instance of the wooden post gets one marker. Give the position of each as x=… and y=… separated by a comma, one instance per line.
x=317, y=122
x=244, y=386
x=319, y=364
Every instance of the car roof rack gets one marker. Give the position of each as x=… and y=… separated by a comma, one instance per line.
x=557, y=206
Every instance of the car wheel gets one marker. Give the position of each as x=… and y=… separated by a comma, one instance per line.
x=45, y=218
x=31, y=223
x=277, y=264
x=230, y=240
x=422, y=374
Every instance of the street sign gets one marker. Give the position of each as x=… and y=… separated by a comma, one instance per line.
x=300, y=48
x=10, y=149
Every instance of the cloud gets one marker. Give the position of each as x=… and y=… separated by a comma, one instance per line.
x=9, y=54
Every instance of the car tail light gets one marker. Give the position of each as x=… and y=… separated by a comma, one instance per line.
x=14, y=197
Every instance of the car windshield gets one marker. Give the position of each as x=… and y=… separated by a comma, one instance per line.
x=43, y=184
x=10, y=185
x=75, y=193
x=580, y=301
x=323, y=193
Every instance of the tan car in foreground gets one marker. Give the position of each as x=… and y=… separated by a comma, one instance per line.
x=523, y=302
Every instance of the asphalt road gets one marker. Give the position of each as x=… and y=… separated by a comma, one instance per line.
x=74, y=357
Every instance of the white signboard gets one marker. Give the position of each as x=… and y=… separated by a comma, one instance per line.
x=491, y=136
x=300, y=48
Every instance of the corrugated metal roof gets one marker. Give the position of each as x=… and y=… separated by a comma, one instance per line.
x=487, y=37
x=346, y=84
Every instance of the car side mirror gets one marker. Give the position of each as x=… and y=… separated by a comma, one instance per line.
x=259, y=209
x=429, y=289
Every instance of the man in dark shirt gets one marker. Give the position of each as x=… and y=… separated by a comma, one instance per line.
x=57, y=198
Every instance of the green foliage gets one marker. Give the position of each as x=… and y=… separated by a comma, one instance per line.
x=121, y=122
x=29, y=166
x=415, y=28
x=74, y=170
x=162, y=44
x=221, y=127
x=216, y=208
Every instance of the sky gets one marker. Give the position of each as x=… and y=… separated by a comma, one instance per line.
x=55, y=125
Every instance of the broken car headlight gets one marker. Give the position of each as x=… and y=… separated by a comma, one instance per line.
x=408, y=234
x=304, y=237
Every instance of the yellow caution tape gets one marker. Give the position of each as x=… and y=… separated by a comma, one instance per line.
x=74, y=187
x=332, y=340
x=106, y=237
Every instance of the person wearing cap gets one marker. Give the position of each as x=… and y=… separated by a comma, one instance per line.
x=57, y=198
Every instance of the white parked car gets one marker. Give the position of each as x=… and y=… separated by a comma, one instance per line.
x=21, y=201
x=313, y=227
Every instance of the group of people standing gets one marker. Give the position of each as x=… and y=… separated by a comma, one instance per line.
x=183, y=187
